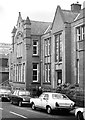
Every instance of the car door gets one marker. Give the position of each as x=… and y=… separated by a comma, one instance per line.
x=45, y=100
x=15, y=97
x=39, y=101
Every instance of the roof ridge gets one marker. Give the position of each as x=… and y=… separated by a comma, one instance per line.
x=66, y=10
x=40, y=21
x=70, y=11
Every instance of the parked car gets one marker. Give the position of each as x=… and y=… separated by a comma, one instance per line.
x=80, y=113
x=52, y=101
x=20, y=97
x=4, y=95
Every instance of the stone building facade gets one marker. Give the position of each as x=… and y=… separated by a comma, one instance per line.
x=78, y=48
x=49, y=54
x=25, y=64
x=62, y=47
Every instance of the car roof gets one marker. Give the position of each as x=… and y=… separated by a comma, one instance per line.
x=22, y=90
x=52, y=93
x=4, y=90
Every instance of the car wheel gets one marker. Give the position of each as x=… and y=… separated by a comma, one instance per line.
x=48, y=109
x=80, y=116
x=20, y=103
x=33, y=106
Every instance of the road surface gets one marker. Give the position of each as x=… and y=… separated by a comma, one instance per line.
x=14, y=112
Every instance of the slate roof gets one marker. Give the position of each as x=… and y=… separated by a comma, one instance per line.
x=80, y=15
x=38, y=27
x=69, y=16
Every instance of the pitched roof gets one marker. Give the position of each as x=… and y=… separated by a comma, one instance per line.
x=81, y=15
x=69, y=16
x=38, y=27
x=48, y=29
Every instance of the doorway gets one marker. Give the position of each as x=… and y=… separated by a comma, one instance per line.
x=59, y=77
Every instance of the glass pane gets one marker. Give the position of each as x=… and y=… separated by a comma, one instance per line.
x=34, y=77
x=34, y=42
x=34, y=66
x=34, y=72
x=34, y=50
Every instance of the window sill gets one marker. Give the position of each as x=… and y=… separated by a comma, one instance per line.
x=80, y=40
x=48, y=83
x=35, y=82
x=35, y=55
x=47, y=56
x=19, y=82
x=58, y=63
x=19, y=57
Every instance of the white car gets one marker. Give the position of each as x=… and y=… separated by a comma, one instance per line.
x=4, y=94
x=52, y=101
x=80, y=113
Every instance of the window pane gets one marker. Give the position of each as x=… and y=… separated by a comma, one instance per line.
x=35, y=77
x=34, y=72
x=78, y=34
x=60, y=49
x=34, y=42
x=35, y=47
x=56, y=47
x=35, y=50
x=34, y=66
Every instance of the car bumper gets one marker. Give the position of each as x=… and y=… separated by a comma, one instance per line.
x=64, y=108
x=25, y=102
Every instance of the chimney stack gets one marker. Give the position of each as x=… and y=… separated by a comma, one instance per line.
x=75, y=7
x=84, y=4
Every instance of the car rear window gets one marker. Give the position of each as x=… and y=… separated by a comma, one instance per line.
x=24, y=93
x=59, y=96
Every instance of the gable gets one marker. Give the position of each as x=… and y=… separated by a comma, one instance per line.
x=19, y=21
x=58, y=21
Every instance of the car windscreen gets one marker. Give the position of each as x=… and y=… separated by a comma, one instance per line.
x=59, y=96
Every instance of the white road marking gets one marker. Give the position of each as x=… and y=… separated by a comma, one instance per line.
x=1, y=108
x=18, y=114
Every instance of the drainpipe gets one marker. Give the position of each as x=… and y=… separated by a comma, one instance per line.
x=84, y=54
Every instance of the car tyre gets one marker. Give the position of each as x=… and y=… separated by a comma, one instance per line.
x=49, y=110
x=20, y=103
x=33, y=106
x=80, y=116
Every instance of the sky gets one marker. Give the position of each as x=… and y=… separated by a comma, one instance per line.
x=38, y=10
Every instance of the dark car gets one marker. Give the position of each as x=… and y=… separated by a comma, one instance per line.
x=4, y=95
x=20, y=97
